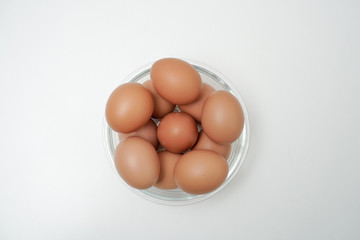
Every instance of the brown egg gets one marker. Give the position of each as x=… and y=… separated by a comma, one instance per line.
x=129, y=107
x=167, y=163
x=194, y=108
x=177, y=132
x=137, y=162
x=200, y=171
x=222, y=117
x=162, y=107
x=204, y=142
x=176, y=80
x=147, y=132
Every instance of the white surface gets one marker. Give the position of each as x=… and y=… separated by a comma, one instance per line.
x=296, y=64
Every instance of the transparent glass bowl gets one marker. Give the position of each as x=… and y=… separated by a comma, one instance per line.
x=238, y=149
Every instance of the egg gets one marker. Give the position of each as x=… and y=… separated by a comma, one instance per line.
x=147, y=132
x=200, y=171
x=195, y=108
x=162, y=107
x=176, y=80
x=177, y=132
x=167, y=163
x=222, y=117
x=204, y=142
x=137, y=162
x=129, y=107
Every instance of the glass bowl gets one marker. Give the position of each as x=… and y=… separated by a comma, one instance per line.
x=237, y=156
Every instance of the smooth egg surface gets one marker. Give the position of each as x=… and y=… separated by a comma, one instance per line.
x=147, y=132
x=137, y=162
x=200, y=171
x=204, y=142
x=177, y=132
x=176, y=80
x=167, y=163
x=222, y=117
x=129, y=107
x=162, y=107
x=195, y=108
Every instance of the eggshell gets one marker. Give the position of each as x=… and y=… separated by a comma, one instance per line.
x=129, y=107
x=177, y=132
x=194, y=109
x=204, y=142
x=176, y=80
x=200, y=171
x=222, y=117
x=137, y=162
x=162, y=107
x=167, y=163
x=147, y=132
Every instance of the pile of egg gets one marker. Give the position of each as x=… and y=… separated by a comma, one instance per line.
x=175, y=131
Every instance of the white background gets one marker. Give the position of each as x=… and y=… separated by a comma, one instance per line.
x=296, y=64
